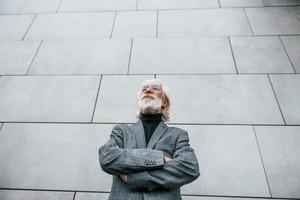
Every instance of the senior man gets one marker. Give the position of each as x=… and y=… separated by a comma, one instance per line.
x=148, y=159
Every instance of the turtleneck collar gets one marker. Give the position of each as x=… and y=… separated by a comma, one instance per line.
x=151, y=117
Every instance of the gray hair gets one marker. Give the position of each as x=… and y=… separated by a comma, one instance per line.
x=165, y=111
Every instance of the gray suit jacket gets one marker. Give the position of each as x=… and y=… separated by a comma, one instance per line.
x=149, y=177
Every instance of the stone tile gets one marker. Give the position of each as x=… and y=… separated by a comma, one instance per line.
x=229, y=162
x=53, y=156
x=117, y=100
x=34, y=195
x=280, y=2
x=48, y=98
x=71, y=26
x=274, y=20
x=292, y=45
x=82, y=57
x=15, y=57
x=135, y=24
x=240, y=3
x=177, y=4
x=40, y=6
x=260, y=55
x=91, y=196
x=11, y=6
x=218, y=198
x=279, y=147
x=222, y=99
x=180, y=56
x=203, y=22
x=287, y=90
x=95, y=5
x=13, y=27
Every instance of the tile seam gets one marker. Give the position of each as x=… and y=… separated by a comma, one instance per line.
x=96, y=100
x=286, y=52
x=29, y=67
x=130, y=52
x=262, y=162
x=22, y=39
x=232, y=54
x=248, y=21
x=59, y=6
x=22, y=6
x=113, y=25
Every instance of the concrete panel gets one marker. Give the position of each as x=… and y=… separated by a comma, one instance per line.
x=117, y=100
x=219, y=198
x=274, y=20
x=229, y=162
x=279, y=147
x=71, y=26
x=96, y=5
x=40, y=6
x=82, y=57
x=177, y=4
x=53, y=157
x=15, y=57
x=13, y=27
x=135, y=24
x=260, y=55
x=240, y=3
x=91, y=196
x=11, y=6
x=292, y=45
x=222, y=99
x=203, y=22
x=34, y=195
x=48, y=98
x=287, y=90
x=180, y=56
x=280, y=2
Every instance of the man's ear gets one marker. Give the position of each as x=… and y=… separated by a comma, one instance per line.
x=165, y=102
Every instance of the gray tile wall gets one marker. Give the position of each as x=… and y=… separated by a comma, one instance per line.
x=70, y=71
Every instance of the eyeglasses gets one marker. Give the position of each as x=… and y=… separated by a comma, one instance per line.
x=153, y=87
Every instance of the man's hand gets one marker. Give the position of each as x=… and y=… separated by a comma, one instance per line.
x=124, y=177
x=167, y=158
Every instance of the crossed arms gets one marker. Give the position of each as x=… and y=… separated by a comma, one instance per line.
x=146, y=168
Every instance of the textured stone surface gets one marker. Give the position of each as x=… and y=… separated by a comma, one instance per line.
x=48, y=99
x=202, y=22
x=91, y=196
x=222, y=99
x=292, y=45
x=35, y=195
x=40, y=6
x=274, y=20
x=177, y=4
x=229, y=162
x=181, y=56
x=260, y=55
x=82, y=57
x=53, y=156
x=138, y=24
x=11, y=6
x=66, y=26
x=117, y=101
x=281, y=156
x=22, y=52
x=287, y=90
x=240, y=3
x=14, y=27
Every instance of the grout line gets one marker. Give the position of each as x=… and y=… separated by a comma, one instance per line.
x=155, y=76
x=34, y=57
x=1, y=126
x=156, y=24
x=287, y=54
x=260, y=155
x=96, y=98
x=276, y=99
x=219, y=3
x=29, y=27
x=113, y=25
x=232, y=55
x=248, y=21
x=22, y=6
x=59, y=6
x=129, y=60
x=136, y=6
x=74, y=195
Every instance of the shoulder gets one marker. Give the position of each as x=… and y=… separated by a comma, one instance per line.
x=178, y=132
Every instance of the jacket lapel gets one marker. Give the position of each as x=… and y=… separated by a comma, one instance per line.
x=158, y=133
x=140, y=135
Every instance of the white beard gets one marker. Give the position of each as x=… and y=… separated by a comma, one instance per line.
x=149, y=106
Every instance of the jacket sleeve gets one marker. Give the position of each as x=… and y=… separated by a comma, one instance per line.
x=182, y=169
x=116, y=161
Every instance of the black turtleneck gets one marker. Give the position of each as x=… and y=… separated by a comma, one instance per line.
x=150, y=123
